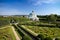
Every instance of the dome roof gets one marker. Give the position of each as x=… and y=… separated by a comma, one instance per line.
x=31, y=14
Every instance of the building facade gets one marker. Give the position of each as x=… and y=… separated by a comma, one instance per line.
x=33, y=16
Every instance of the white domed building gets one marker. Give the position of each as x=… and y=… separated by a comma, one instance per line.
x=33, y=16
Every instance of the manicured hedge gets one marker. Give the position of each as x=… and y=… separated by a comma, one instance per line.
x=41, y=37
x=48, y=38
x=57, y=38
x=22, y=33
x=26, y=38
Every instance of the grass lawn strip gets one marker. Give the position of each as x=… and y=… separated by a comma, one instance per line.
x=6, y=33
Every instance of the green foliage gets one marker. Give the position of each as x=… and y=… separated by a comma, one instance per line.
x=48, y=38
x=23, y=19
x=7, y=34
x=22, y=33
x=26, y=38
x=4, y=21
x=13, y=20
x=19, y=31
x=41, y=36
x=46, y=31
x=57, y=38
x=52, y=18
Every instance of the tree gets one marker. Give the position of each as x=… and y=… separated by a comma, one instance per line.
x=52, y=18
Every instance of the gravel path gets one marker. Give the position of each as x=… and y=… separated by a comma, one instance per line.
x=17, y=38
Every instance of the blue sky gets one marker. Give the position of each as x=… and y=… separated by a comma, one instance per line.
x=24, y=7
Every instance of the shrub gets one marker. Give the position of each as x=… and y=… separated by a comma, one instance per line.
x=48, y=38
x=57, y=38
x=41, y=36
x=26, y=38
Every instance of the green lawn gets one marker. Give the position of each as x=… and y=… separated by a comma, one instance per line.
x=7, y=34
x=46, y=31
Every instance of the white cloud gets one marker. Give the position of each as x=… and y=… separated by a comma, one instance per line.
x=40, y=2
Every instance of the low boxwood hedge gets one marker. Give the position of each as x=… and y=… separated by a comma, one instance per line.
x=26, y=38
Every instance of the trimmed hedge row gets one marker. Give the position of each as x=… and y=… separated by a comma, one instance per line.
x=23, y=34
x=26, y=38
x=43, y=38
x=57, y=38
